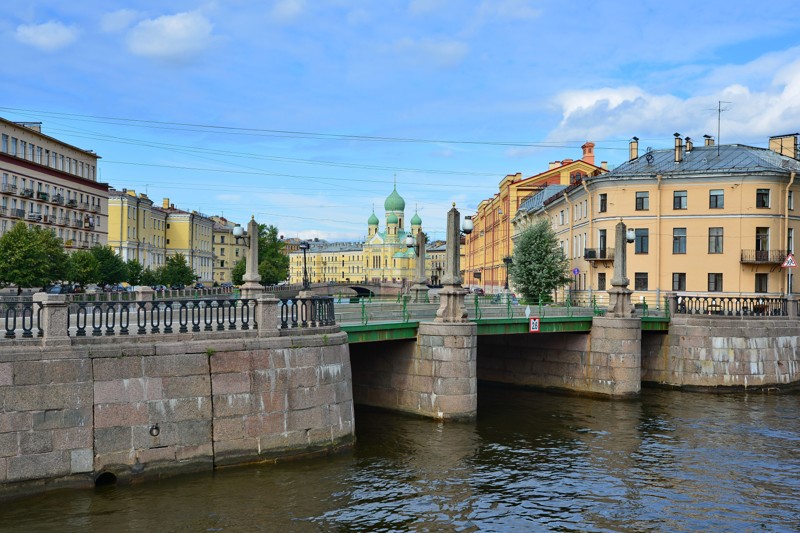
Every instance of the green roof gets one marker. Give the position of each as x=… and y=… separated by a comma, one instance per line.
x=394, y=202
x=392, y=219
x=415, y=220
x=373, y=220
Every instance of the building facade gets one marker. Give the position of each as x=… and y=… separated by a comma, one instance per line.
x=227, y=251
x=136, y=228
x=706, y=220
x=490, y=243
x=49, y=183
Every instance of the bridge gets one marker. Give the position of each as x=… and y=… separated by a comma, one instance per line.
x=340, y=289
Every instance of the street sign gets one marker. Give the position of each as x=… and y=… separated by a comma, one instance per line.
x=790, y=262
x=575, y=271
x=534, y=324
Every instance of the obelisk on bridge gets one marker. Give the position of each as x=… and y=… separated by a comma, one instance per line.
x=451, y=296
x=619, y=295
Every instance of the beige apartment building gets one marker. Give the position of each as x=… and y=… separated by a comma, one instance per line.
x=707, y=219
x=137, y=228
x=52, y=184
x=226, y=250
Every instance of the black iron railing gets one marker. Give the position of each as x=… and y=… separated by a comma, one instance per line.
x=307, y=312
x=21, y=314
x=731, y=306
x=763, y=256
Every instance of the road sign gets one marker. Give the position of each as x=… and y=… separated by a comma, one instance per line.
x=534, y=324
x=575, y=271
x=790, y=262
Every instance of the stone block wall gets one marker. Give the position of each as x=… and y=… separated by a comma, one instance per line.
x=434, y=376
x=604, y=362
x=712, y=352
x=133, y=407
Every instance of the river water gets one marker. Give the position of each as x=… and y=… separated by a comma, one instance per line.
x=532, y=461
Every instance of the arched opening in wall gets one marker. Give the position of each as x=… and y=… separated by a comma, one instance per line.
x=105, y=479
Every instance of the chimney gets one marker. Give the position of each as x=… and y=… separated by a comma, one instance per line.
x=689, y=145
x=165, y=203
x=784, y=144
x=553, y=164
x=634, y=149
x=588, y=152
x=678, y=148
x=604, y=165
x=709, y=140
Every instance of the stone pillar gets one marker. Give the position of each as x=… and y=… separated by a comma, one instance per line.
x=791, y=305
x=619, y=295
x=420, y=289
x=54, y=315
x=252, y=288
x=451, y=296
x=614, y=365
x=267, y=315
x=672, y=303
x=450, y=351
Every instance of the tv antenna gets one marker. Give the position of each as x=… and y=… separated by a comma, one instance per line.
x=719, y=119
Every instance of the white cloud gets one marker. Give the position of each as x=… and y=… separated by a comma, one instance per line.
x=118, y=20
x=441, y=53
x=49, y=36
x=287, y=10
x=754, y=109
x=171, y=37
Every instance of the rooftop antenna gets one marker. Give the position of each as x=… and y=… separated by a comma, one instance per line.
x=719, y=115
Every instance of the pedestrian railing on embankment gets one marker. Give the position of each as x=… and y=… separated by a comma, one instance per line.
x=29, y=318
x=734, y=306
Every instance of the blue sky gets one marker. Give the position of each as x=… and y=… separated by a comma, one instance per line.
x=302, y=112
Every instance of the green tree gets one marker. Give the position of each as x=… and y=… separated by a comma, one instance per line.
x=135, y=272
x=176, y=271
x=273, y=264
x=111, y=268
x=31, y=257
x=83, y=268
x=539, y=265
x=150, y=277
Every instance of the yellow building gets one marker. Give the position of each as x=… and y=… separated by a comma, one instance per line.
x=339, y=262
x=49, y=183
x=190, y=233
x=490, y=241
x=136, y=229
x=387, y=258
x=226, y=250
x=708, y=219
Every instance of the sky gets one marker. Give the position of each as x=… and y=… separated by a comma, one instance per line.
x=305, y=113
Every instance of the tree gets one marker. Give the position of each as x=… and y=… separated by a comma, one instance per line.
x=539, y=265
x=111, y=268
x=31, y=257
x=83, y=268
x=176, y=271
x=273, y=265
x=150, y=277
x=135, y=272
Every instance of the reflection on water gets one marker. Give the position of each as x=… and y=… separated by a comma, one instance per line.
x=669, y=461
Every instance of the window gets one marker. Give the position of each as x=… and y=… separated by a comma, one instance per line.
x=640, y=281
x=601, y=281
x=790, y=200
x=5, y=143
x=715, y=282
x=561, y=217
x=762, y=244
x=679, y=241
x=642, y=201
x=790, y=241
x=678, y=281
x=603, y=203
x=762, y=197
x=716, y=199
x=642, y=242
x=715, y=240
x=679, y=200
x=761, y=282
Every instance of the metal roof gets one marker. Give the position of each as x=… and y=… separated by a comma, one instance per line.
x=535, y=201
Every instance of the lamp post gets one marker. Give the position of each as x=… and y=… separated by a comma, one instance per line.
x=251, y=278
x=507, y=260
x=305, y=246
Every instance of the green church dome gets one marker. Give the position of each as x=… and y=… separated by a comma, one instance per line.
x=373, y=220
x=392, y=218
x=415, y=220
x=394, y=202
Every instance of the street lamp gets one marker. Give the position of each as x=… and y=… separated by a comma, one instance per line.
x=507, y=260
x=305, y=246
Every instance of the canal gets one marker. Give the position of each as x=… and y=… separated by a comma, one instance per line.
x=532, y=461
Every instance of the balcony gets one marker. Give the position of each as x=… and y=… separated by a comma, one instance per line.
x=96, y=208
x=17, y=213
x=42, y=196
x=598, y=254
x=11, y=189
x=58, y=199
x=47, y=219
x=763, y=257
x=72, y=203
x=85, y=206
x=68, y=243
x=34, y=216
x=62, y=221
x=3, y=211
x=28, y=193
x=84, y=244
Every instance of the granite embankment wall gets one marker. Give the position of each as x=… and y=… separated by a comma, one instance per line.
x=709, y=352
x=137, y=407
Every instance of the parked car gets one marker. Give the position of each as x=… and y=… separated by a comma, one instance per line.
x=63, y=288
x=477, y=290
x=158, y=287
x=226, y=284
x=177, y=286
x=199, y=286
